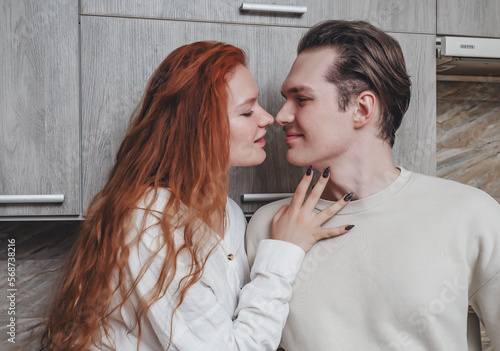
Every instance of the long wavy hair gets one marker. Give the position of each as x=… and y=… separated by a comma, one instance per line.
x=178, y=139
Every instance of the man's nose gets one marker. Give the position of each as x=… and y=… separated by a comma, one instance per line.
x=285, y=116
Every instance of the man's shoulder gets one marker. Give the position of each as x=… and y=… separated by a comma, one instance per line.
x=453, y=192
x=270, y=209
x=444, y=184
x=260, y=223
x=259, y=227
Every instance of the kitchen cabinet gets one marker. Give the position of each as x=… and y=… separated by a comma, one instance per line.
x=39, y=107
x=122, y=43
x=118, y=57
x=415, y=146
x=468, y=18
x=120, y=54
x=390, y=15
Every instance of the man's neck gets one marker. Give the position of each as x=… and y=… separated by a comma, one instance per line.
x=363, y=176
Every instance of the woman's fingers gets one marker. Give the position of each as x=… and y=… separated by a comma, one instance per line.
x=301, y=191
x=280, y=213
x=299, y=224
x=316, y=191
x=333, y=209
x=326, y=233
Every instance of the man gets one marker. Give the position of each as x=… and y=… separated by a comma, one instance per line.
x=423, y=249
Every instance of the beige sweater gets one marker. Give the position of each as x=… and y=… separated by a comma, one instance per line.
x=422, y=251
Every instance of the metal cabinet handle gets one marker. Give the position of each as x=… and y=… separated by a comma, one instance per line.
x=297, y=10
x=265, y=197
x=29, y=199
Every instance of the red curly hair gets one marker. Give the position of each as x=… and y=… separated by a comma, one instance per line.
x=178, y=139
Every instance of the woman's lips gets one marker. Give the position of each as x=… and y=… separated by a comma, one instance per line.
x=261, y=142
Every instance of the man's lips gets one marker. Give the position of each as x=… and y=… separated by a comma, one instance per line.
x=292, y=136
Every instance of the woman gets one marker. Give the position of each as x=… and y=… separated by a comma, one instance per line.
x=160, y=262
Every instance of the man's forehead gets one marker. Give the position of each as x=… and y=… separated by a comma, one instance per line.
x=310, y=67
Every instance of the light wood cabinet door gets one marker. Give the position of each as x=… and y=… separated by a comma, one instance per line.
x=118, y=57
x=415, y=146
x=120, y=54
x=468, y=17
x=39, y=105
x=390, y=15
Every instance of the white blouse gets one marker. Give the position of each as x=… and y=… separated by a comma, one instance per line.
x=224, y=310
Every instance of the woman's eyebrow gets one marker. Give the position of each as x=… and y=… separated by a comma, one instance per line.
x=248, y=101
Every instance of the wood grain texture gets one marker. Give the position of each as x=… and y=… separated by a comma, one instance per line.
x=415, y=147
x=118, y=57
x=392, y=15
x=39, y=123
x=468, y=134
x=468, y=17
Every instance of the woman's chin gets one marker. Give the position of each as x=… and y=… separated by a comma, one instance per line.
x=261, y=158
x=254, y=160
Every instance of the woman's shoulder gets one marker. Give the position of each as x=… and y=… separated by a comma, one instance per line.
x=235, y=213
x=234, y=207
x=146, y=216
x=155, y=199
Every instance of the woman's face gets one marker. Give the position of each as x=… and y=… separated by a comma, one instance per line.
x=247, y=120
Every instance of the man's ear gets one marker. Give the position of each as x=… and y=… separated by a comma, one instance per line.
x=365, y=106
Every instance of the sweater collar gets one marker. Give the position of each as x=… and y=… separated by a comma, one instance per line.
x=372, y=200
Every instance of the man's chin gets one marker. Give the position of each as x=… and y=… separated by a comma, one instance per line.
x=293, y=159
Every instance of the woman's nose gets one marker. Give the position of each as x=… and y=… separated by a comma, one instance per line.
x=265, y=119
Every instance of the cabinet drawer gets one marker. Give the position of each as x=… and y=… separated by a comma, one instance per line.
x=399, y=16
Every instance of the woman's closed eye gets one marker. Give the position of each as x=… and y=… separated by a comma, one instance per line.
x=248, y=114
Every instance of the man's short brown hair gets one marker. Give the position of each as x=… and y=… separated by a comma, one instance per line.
x=368, y=59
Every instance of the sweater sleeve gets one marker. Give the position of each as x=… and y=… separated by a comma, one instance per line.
x=485, y=277
x=203, y=322
x=486, y=304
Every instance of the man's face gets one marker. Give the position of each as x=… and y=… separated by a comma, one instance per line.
x=317, y=132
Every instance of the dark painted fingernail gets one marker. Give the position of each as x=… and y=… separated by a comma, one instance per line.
x=349, y=227
x=326, y=173
x=309, y=170
x=348, y=197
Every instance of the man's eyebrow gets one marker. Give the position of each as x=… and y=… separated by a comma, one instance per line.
x=298, y=89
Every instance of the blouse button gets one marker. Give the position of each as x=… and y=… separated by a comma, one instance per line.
x=230, y=257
